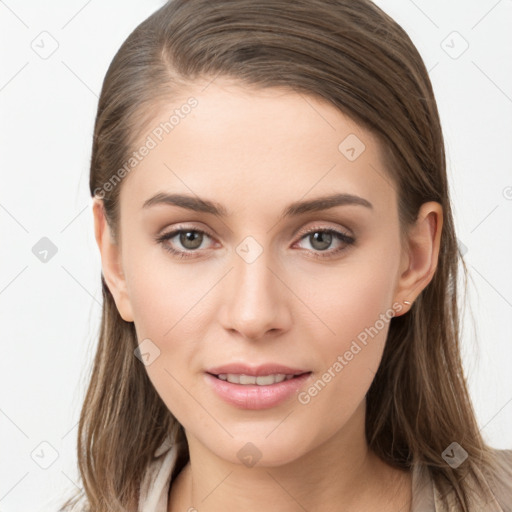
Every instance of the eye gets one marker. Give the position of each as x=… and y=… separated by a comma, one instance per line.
x=190, y=239
x=321, y=239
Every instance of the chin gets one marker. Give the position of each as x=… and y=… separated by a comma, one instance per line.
x=259, y=449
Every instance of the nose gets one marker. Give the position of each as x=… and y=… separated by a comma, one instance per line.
x=255, y=299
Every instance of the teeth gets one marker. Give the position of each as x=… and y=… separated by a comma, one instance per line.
x=262, y=380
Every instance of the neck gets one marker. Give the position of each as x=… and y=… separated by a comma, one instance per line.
x=340, y=474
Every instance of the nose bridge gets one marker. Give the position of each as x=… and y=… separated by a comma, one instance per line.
x=255, y=302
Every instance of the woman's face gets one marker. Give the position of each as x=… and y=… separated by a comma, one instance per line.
x=272, y=278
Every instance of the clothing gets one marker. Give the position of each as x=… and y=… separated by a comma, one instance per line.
x=426, y=497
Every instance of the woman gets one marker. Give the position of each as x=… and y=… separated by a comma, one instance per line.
x=279, y=264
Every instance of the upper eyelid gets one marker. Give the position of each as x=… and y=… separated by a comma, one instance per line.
x=179, y=228
x=314, y=225
x=312, y=229
x=175, y=231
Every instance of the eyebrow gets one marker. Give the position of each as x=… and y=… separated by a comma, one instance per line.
x=297, y=208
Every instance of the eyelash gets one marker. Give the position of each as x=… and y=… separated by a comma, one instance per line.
x=343, y=237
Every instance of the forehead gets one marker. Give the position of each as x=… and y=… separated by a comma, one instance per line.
x=242, y=145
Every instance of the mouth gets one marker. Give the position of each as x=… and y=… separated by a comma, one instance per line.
x=260, y=380
x=255, y=392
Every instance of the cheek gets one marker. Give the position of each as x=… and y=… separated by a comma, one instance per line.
x=162, y=312
x=163, y=293
x=356, y=305
x=352, y=299
x=166, y=299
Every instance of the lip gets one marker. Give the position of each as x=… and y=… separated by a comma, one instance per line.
x=253, y=396
x=255, y=371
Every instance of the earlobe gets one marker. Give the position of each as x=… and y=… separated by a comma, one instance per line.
x=111, y=261
x=421, y=256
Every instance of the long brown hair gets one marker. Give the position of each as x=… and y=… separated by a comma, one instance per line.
x=352, y=54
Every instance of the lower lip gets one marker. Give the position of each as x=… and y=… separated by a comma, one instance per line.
x=252, y=396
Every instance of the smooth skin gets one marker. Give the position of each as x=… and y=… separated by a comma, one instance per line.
x=254, y=152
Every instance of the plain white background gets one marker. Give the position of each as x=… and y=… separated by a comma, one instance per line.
x=51, y=310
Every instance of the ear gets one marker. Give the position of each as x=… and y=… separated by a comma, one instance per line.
x=420, y=256
x=111, y=261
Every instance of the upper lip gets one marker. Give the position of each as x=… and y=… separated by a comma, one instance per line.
x=256, y=371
